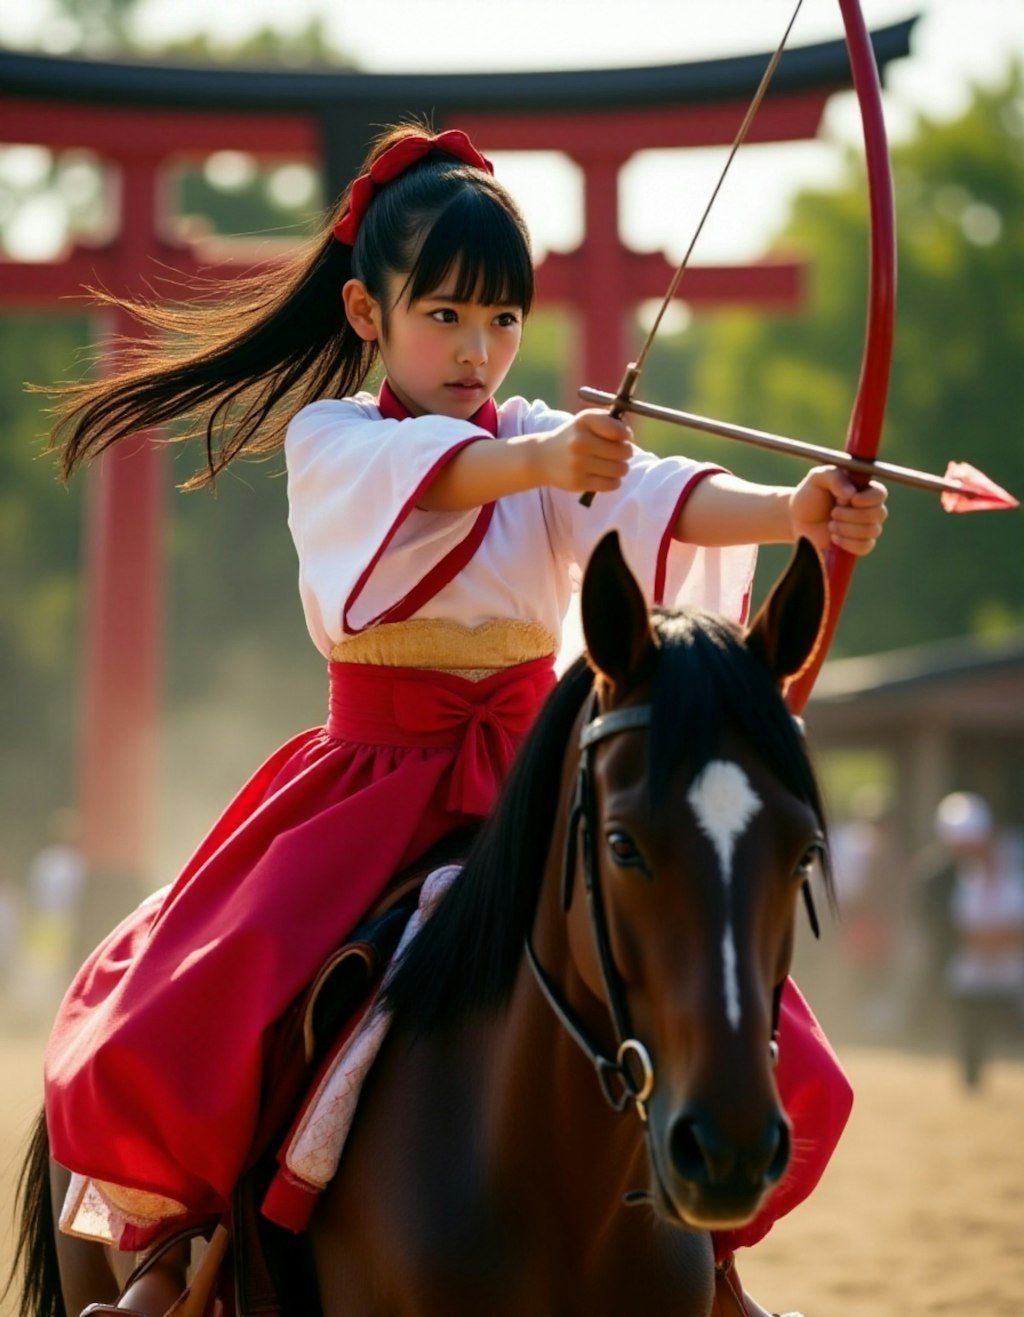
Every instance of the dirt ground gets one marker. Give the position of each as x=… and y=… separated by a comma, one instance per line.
x=921, y=1211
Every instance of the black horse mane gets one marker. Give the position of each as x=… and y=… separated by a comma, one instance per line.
x=467, y=955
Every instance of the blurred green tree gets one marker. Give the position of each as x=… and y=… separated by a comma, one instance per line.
x=40, y=533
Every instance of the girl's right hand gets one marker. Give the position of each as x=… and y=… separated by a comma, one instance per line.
x=590, y=453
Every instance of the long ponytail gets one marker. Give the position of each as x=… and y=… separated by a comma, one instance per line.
x=241, y=359
x=228, y=361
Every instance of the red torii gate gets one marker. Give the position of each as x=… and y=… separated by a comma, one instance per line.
x=137, y=118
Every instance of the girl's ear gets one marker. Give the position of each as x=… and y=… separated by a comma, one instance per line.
x=362, y=310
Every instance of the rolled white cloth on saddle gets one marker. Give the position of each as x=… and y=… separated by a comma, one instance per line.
x=312, y=1151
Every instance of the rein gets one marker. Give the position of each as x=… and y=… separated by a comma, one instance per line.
x=629, y=1078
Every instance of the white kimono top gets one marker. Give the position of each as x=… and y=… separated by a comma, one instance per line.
x=368, y=555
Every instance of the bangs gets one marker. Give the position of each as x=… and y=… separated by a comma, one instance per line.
x=474, y=239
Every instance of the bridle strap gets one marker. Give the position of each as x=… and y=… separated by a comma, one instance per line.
x=608, y=1071
x=597, y=728
x=618, y=720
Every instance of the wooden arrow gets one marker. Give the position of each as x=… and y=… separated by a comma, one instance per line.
x=963, y=488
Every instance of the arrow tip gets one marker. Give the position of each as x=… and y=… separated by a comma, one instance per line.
x=978, y=492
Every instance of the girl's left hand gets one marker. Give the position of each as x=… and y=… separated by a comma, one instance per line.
x=828, y=509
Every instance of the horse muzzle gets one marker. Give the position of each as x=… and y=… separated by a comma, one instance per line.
x=711, y=1179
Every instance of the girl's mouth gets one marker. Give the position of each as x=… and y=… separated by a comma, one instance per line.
x=466, y=386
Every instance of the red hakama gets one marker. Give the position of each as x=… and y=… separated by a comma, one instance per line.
x=153, y=1072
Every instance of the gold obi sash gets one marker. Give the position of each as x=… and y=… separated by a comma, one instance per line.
x=438, y=645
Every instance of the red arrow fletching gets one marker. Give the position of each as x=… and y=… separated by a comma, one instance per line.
x=979, y=493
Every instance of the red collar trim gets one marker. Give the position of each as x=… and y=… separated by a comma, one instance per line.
x=485, y=418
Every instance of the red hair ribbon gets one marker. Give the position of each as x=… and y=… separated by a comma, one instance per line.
x=395, y=161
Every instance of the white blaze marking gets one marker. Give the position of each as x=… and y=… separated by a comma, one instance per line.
x=732, y=983
x=724, y=803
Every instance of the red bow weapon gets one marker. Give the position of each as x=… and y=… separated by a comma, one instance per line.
x=963, y=488
x=865, y=432
x=966, y=489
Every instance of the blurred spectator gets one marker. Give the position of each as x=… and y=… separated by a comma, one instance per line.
x=984, y=969
x=53, y=896
x=869, y=874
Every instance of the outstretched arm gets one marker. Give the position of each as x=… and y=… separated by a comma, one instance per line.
x=589, y=452
x=825, y=507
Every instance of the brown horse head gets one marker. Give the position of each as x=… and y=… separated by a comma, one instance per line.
x=698, y=822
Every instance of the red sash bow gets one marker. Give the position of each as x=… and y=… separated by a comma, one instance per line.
x=483, y=722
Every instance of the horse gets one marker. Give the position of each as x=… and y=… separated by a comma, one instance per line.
x=578, y=1082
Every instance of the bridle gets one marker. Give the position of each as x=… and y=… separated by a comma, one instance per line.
x=630, y=1077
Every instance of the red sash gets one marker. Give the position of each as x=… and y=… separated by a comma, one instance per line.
x=483, y=722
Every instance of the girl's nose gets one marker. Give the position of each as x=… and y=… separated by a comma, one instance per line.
x=473, y=348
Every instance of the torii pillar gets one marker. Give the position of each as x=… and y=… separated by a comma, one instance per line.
x=123, y=617
x=120, y=676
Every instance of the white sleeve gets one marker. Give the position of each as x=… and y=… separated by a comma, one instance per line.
x=644, y=511
x=353, y=482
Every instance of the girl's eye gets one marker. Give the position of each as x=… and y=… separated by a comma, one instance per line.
x=624, y=851
x=507, y=319
x=445, y=316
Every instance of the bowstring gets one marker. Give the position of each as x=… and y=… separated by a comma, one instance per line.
x=738, y=141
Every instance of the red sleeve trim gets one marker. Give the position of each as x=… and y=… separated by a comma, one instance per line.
x=440, y=574
x=661, y=568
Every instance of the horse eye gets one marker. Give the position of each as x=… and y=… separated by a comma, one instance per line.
x=624, y=851
x=811, y=856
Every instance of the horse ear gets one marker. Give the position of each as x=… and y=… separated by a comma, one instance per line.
x=784, y=635
x=616, y=623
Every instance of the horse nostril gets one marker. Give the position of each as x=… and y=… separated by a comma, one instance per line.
x=686, y=1152
x=696, y=1154
x=701, y=1156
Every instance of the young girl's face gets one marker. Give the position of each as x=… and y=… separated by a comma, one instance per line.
x=444, y=357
